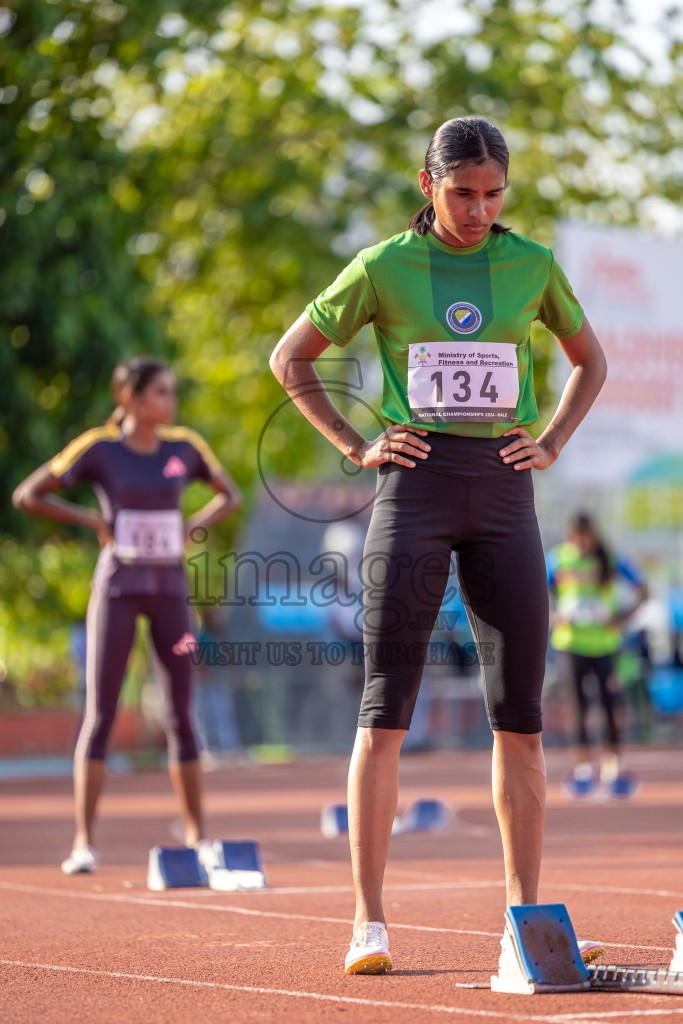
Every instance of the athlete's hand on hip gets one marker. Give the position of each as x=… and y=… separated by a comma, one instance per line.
x=104, y=534
x=399, y=443
x=525, y=452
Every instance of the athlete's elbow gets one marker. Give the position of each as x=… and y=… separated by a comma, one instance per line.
x=603, y=367
x=278, y=362
x=602, y=373
x=20, y=498
x=596, y=365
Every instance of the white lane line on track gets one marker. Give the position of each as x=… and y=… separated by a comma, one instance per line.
x=148, y=901
x=435, y=885
x=300, y=890
x=325, y=997
x=620, y=890
x=606, y=1015
x=160, y=901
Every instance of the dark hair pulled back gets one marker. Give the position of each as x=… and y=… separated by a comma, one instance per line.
x=134, y=373
x=458, y=141
x=583, y=523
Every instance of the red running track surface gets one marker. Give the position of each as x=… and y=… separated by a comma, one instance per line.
x=99, y=948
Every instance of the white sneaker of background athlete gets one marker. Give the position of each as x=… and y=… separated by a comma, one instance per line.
x=369, y=950
x=206, y=854
x=81, y=860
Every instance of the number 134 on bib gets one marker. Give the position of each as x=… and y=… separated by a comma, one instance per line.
x=456, y=380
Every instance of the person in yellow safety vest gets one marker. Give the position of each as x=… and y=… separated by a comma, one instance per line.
x=587, y=624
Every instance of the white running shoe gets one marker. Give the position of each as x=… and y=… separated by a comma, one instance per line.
x=81, y=860
x=590, y=951
x=206, y=853
x=369, y=950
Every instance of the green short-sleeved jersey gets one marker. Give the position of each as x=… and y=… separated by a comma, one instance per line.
x=416, y=289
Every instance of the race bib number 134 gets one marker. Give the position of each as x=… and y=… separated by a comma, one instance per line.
x=462, y=380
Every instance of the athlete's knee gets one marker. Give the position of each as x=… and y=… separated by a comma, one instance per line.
x=94, y=737
x=519, y=743
x=379, y=742
x=182, y=741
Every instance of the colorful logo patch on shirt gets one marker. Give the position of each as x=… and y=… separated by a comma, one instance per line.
x=174, y=467
x=183, y=645
x=463, y=317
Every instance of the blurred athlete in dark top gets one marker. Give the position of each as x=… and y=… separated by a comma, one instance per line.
x=138, y=465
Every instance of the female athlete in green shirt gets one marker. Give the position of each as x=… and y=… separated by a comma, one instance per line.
x=451, y=301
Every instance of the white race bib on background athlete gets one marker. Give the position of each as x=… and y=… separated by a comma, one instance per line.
x=462, y=380
x=584, y=611
x=142, y=535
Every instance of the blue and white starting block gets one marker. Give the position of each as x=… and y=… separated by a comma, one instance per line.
x=174, y=867
x=334, y=820
x=420, y=816
x=228, y=865
x=423, y=816
x=540, y=952
x=234, y=865
x=677, y=961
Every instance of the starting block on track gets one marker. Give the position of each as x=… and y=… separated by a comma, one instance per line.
x=423, y=816
x=677, y=961
x=624, y=786
x=634, y=979
x=420, y=816
x=225, y=864
x=334, y=820
x=174, y=867
x=233, y=865
x=540, y=952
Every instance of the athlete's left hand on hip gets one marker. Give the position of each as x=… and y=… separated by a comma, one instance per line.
x=525, y=452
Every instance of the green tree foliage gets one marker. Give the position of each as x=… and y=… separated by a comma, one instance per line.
x=184, y=177
x=160, y=168
x=43, y=593
x=72, y=297
x=595, y=130
x=250, y=148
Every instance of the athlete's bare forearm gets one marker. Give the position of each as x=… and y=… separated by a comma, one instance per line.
x=321, y=412
x=35, y=495
x=579, y=393
x=583, y=387
x=292, y=362
x=215, y=511
x=64, y=511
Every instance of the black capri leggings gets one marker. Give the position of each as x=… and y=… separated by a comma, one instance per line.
x=602, y=667
x=110, y=634
x=463, y=498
